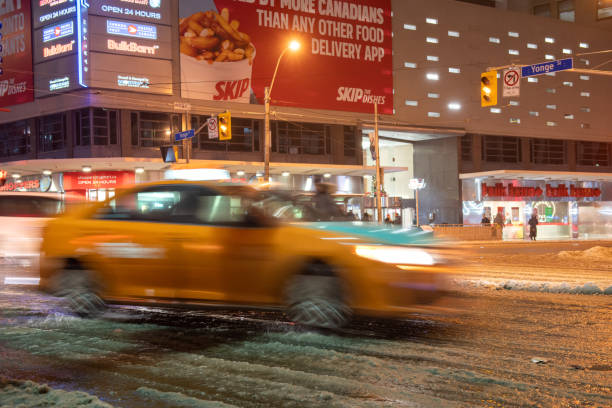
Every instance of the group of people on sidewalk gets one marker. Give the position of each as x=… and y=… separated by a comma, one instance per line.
x=498, y=222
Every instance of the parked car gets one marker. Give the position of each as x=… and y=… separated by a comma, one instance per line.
x=194, y=243
x=23, y=216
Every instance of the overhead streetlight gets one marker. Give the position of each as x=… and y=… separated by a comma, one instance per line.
x=293, y=46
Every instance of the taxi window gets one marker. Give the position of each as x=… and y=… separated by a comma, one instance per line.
x=173, y=204
x=222, y=209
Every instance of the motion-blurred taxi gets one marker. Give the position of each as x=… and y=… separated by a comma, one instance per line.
x=212, y=244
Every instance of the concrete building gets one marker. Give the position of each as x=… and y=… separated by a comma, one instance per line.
x=436, y=131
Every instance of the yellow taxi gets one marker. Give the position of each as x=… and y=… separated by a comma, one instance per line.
x=197, y=243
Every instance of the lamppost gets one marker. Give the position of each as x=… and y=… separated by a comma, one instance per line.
x=293, y=46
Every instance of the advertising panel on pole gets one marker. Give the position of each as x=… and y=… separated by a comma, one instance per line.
x=229, y=51
x=16, y=79
x=512, y=82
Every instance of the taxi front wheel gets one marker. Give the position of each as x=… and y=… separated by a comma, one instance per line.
x=317, y=301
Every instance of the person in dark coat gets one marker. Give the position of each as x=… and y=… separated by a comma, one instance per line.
x=533, y=227
x=485, y=220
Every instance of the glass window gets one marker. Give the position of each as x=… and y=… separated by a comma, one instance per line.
x=350, y=141
x=542, y=10
x=100, y=127
x=566, y=10
x=154, y=129
x=548, y=151
x=301, y=138
x=52, y=132
x=466, y=148
x=134, y=128
x=593, y=154
x=15, y=138
x=501, y=149
x=245, y=136
x=604, y=9
x=29, y=206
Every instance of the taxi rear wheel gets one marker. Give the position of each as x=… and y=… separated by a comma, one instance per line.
x=317, y=300
x=78, y=287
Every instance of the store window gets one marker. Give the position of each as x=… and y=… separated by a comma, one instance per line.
x=501, y=149
x=542, y=10
x=15, y=138
x=97, y=122
x=52, y=132
x=301, y=138
x=548, y=151
x=153, y=129
x=593, y=154
x=245, y=135
x=566, y=10
x=604, y=9
x=466, y=148
x=350, y=141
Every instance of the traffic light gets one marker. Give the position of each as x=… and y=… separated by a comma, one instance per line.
x=488, y=88
x=225, y=126
x=169, y=153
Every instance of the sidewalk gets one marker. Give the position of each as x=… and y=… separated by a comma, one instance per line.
x=603, y=242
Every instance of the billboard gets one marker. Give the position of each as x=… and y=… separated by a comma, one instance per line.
x=46, y=12
x=16, y=80
x=229, y=50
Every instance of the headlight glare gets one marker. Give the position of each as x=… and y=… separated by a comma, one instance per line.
x=395, y=255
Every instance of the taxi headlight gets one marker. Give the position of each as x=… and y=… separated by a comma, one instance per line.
x=395, y=255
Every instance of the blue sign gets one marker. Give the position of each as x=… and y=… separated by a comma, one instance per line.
x=188, y=134
x=136, y=30
x=58, y=31
x=547, y=67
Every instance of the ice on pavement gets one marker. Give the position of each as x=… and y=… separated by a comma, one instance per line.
x=26, y=394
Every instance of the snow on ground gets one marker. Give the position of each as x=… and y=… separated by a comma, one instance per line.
x=26, y=394
x=588, y=288
x=587, y=272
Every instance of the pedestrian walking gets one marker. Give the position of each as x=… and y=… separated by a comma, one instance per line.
x=533, y=227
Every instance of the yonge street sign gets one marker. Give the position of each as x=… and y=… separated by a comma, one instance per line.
x=547, y=67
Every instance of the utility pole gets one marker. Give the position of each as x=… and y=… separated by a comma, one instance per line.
x=378, y=181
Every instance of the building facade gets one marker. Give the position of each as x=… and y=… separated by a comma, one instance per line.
x=112, y=81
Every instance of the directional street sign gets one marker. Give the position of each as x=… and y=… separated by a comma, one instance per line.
x=188, y=134
x=547, y=67
x=512, y=83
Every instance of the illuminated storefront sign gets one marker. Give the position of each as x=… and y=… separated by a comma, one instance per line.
x=21, y=185
x=131, y=46
x=136, y=30
x=58, y=49
x=59, y=83
x=558, y=191
x=58, y=31
x=65, y=12
x=133, y=81
x=130, y=12
x=52, y=3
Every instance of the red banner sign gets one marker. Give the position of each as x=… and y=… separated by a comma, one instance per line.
x=17, y=80
x=561, y=190
x=344, y=62
x=97, y=179
x=28, y=185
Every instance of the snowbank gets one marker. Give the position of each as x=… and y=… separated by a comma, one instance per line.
x=589, y=288
x=597, y=253
x=25, y=394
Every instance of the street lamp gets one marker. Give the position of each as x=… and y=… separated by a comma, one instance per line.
x=293, y=46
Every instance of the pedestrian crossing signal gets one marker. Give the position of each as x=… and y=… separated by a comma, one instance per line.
x=225, y=126
x=488, y=88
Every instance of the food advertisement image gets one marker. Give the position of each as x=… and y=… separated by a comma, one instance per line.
x=229, y=50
